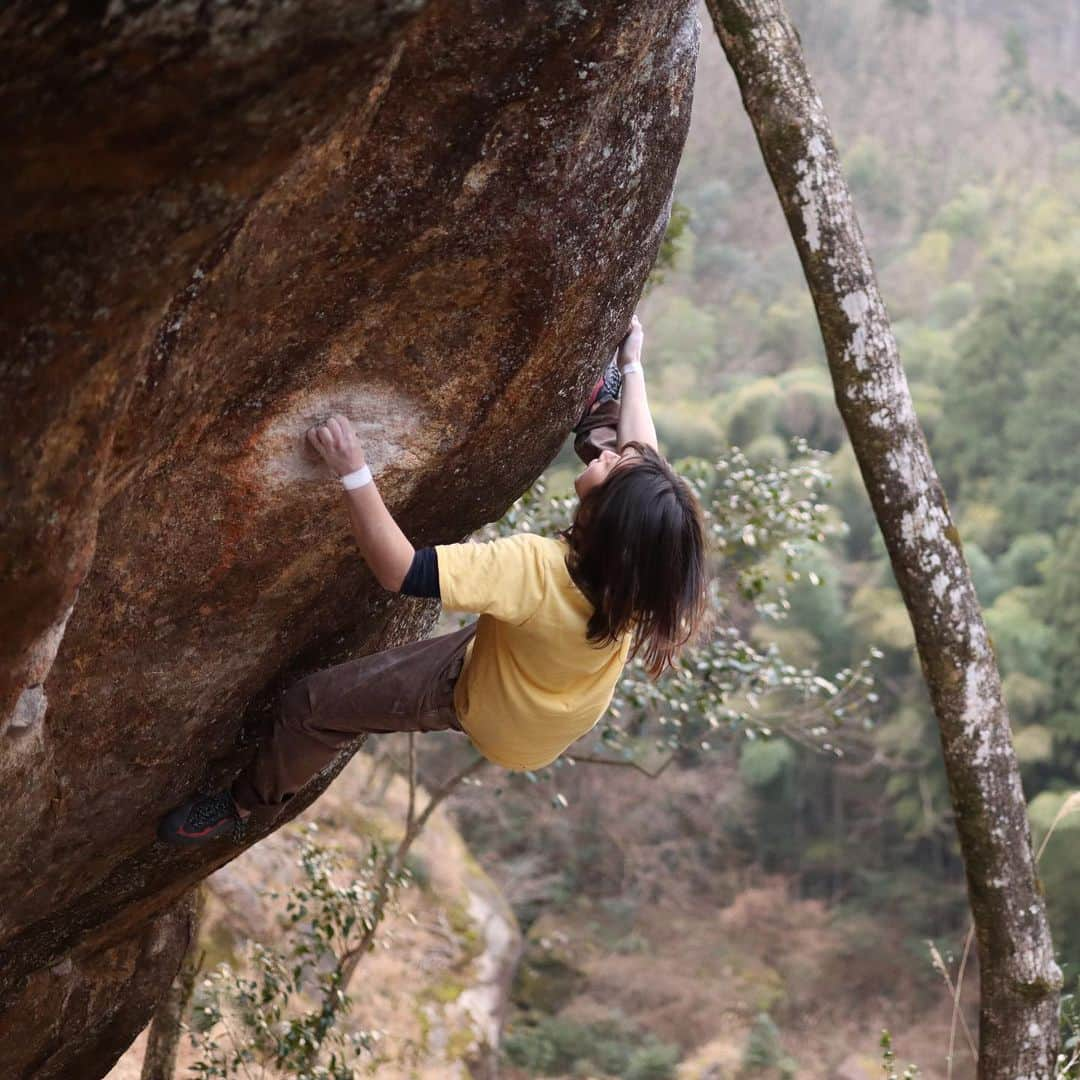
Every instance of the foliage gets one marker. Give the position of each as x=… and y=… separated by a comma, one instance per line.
x=1016, y=91
x=764, y=761
x=674, y=240
x=764, y=1050
x=612, y=1046
x=913, y=7
x=262, y=1023
x=760, y=522
x=1059, y=865
x=655, y=1061
x=871, y=169
x=993, y=391
x=888, y=1061
x=1068, y=1063
x=685, y=334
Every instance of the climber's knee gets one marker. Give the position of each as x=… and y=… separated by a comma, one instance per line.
x=296, y=707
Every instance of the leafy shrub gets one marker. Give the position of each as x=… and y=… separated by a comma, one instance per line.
x=808, y=410
x=988, y=583
x=612, y=1046
x=686, y=429
x=967, y=214
x=764, y=1049
x=1034, y=745
x=683, y=333
x=1022, y=563
x=1027, y=697
x=653, y=1062
x=1022, y=640
x=259, y=1018
x=874, y=179
x=764, y=761
x=767, y=450
x=752, y=411
x=1059, y=867
x=953, y=302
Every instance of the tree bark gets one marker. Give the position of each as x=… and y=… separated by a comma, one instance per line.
x=159, y=1060
x=1020, y=982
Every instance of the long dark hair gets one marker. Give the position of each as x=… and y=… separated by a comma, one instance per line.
x=637, y=552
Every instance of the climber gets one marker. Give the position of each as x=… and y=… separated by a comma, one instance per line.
x=558, y=617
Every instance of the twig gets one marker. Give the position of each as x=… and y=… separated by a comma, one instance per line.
x=412, y=781
x=1069, y=806
x=956, y=998
x=236, y=1046
x=391, y=866
x=588, y=759
x=939, y=964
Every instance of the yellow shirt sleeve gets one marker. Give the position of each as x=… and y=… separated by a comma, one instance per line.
x=503, y=578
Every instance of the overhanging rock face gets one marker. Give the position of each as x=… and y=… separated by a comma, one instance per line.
x=220, y=223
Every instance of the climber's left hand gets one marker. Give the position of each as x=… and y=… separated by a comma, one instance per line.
x=337, y=444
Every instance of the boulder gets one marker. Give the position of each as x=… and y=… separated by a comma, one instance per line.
x=220, y=223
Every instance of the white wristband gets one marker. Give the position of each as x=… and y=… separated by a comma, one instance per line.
x=352, y=481
x=632, y=366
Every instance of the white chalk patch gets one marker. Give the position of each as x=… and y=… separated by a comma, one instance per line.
x=385, y=420
x=32, y=704
x=30, y=709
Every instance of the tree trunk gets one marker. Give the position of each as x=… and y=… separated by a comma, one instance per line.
x=159, y=1061
x=1018, y=1030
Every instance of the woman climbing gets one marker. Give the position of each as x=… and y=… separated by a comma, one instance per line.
x=558, y=617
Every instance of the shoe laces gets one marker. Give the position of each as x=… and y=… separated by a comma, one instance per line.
x=211, y=810
x=612, y=380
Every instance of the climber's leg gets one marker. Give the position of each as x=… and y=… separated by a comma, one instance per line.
x=596, y=430
x=410, y=688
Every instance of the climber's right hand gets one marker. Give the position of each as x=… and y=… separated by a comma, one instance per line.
x=337, y=444
x=630, y=346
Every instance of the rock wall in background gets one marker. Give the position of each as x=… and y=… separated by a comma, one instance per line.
x=219, y=224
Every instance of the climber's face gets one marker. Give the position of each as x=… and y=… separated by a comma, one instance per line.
x=600, y=468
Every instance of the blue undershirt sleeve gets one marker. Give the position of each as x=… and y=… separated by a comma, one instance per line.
x=423, y=576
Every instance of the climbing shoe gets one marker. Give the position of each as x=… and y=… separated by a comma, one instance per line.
x=607, y=388
x=202, y=818
x=610, y=383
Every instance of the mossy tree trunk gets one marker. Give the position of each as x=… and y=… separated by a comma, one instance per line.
x=159, y=1061
x=1018, y=1031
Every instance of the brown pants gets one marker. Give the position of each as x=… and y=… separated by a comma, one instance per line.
x=596, y=431
x=410, y=688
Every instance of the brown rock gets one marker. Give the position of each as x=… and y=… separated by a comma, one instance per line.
x=221, y=223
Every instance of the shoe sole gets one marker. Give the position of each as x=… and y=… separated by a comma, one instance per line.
x=169, y=828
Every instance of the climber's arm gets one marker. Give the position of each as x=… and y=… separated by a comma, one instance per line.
x=635, y=419
x=385, y=548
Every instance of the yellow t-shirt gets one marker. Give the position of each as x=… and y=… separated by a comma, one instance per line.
x=532, y=683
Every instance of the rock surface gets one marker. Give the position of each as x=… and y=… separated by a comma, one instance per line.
x=219, y=224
